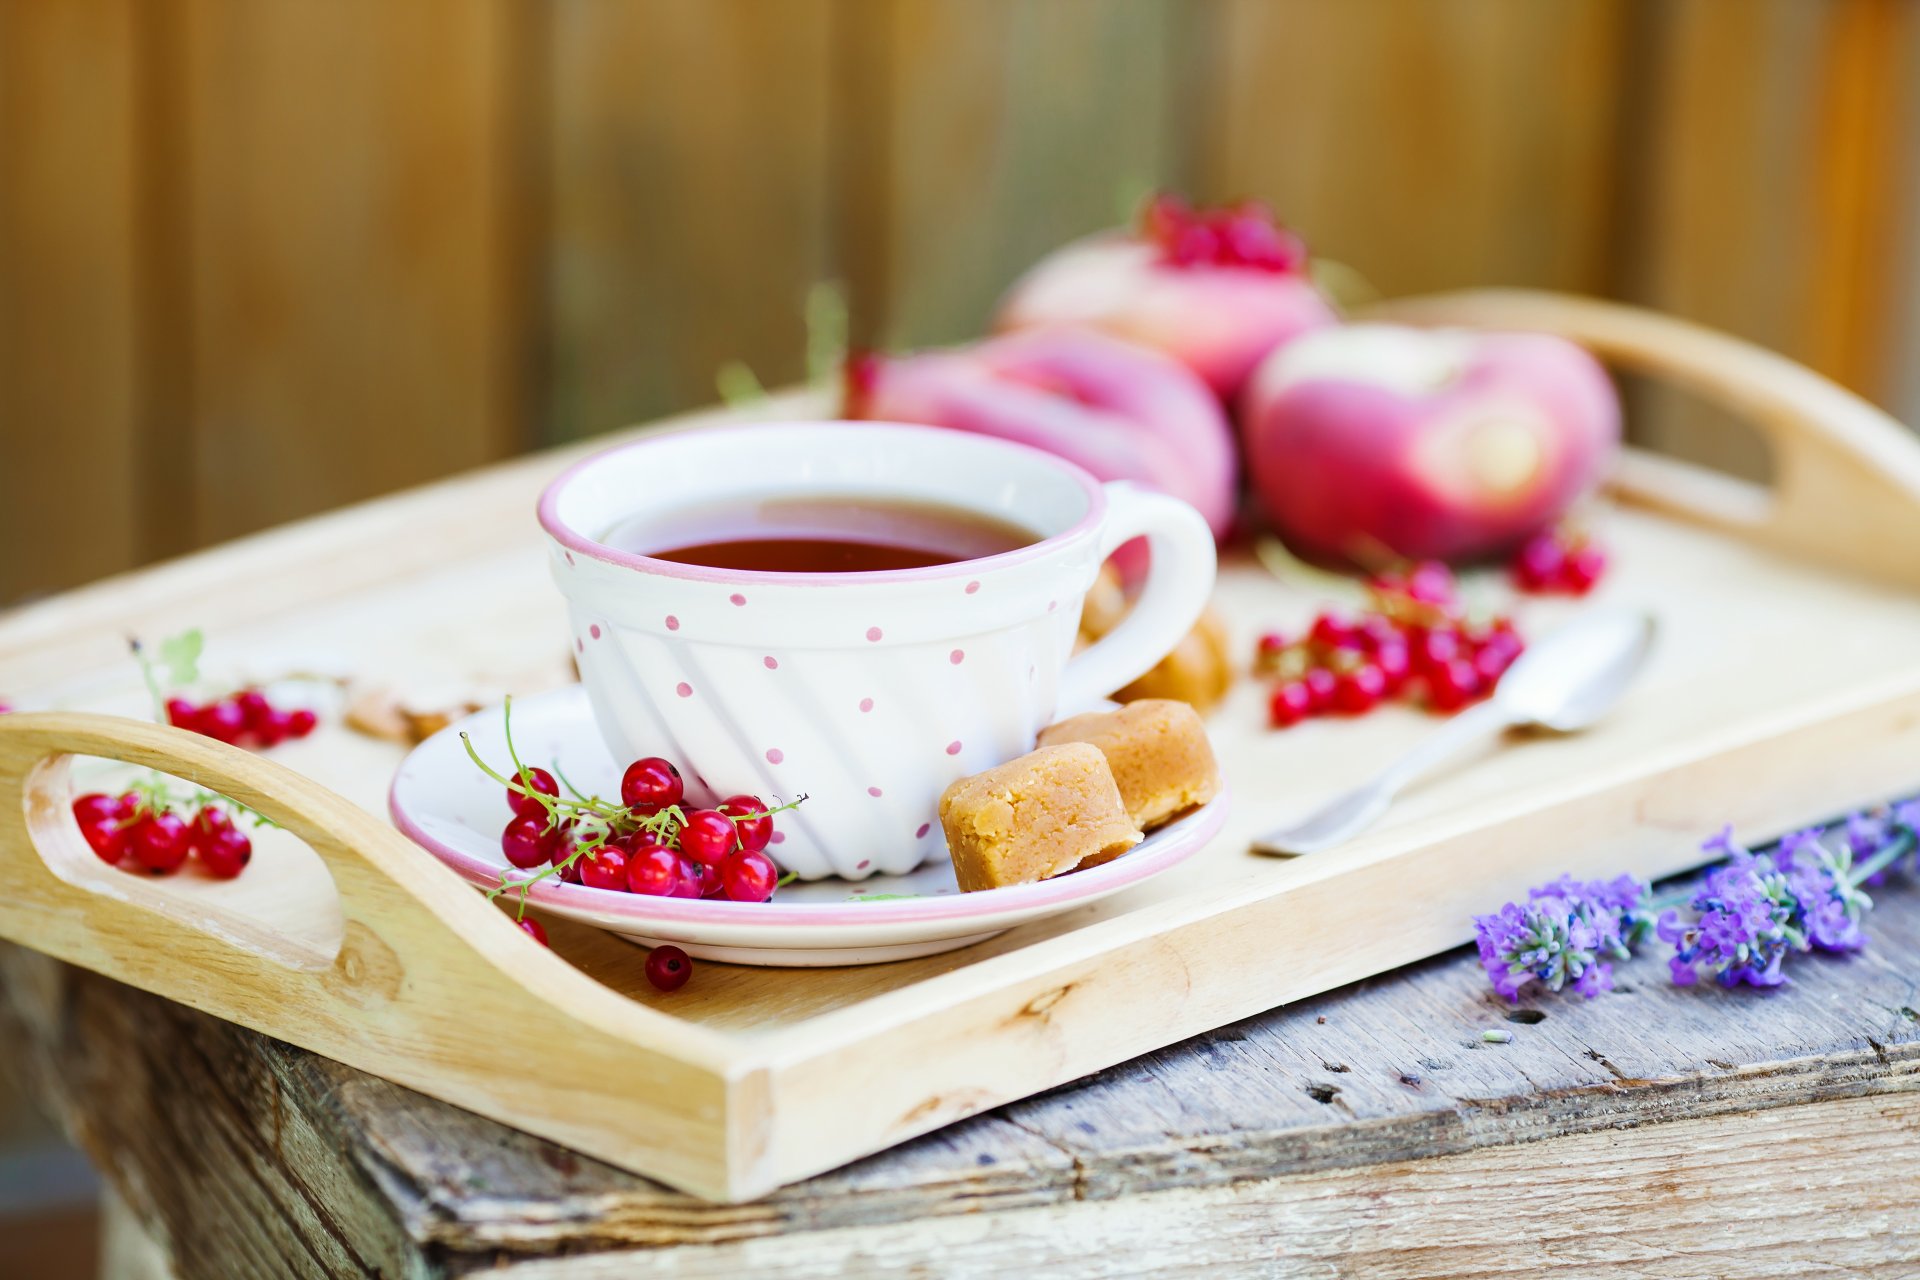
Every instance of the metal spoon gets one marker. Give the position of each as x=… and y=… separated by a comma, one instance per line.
x=1565, y=683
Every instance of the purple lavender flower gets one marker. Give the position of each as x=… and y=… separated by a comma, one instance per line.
x=1830, y=904
x=1560, y=935
x=1866, y=833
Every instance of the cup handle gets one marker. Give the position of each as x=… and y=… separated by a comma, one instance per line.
x=1179, y=580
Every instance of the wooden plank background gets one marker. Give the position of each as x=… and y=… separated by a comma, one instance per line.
x=258, y=261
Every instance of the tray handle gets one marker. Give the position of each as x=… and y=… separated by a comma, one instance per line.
x=1847, y=475
x=430, y=984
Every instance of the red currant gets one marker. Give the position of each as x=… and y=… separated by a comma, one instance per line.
x=604, y=868
x=703, y=878
x=527, y=842
x=650, y=785
x=707, y=835
x=1395, y=662
x=1359, y=690
x=1291, y=703
x=1452, y=685
x=1320, y=684
x=1434, y=647
x=1583, y=568
x=159, y=843
x=1431, y=582
x=1329, y=632
x=182, y=714
x=222, y=720
x=524, y=805
x=94, y=807
x=1539, y=562
x=533, y=929
x=748, y=876
x=668, y=968
x=301, y=722
x=272, y=729
x=751, y=821
x=653, y=869
x=222, y=848
x=254, y=709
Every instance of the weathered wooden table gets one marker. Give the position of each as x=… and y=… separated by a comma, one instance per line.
x=1654, y=1132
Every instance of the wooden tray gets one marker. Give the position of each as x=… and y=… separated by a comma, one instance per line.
x=1783, y=691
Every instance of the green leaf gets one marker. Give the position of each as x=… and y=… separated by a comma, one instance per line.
x=826, y=330
x=181, y=656
x=738, y=385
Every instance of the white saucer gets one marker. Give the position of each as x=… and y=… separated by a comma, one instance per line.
x=456, y=812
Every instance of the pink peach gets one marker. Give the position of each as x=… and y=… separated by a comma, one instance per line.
x=1425, y=444
x=1120, y=410
x=1216, y=290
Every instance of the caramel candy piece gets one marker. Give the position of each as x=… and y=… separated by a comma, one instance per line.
x=1033, y=818
x=1199, y=671
x=1158, y=751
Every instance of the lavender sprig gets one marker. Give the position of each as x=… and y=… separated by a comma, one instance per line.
x=1748, y=914
x=1564, y=935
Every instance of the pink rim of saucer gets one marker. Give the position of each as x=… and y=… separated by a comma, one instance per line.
x=1128, y=869
x=572, y=539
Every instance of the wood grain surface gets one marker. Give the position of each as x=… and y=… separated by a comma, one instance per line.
x=1655, y=1132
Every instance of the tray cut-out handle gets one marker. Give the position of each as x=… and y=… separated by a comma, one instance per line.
x=429, y=985
x=1846, y=490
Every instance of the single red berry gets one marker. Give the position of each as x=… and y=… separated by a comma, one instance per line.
x=94, y=806
x=1538, y=564
x=533, y=929
x=221, y=720
x=1583, y=568
x=272, y=729
x=1193, y=244
x=1329, y=632
x=1431, y=582
x=1434, y=647
x=1320, y=682
x=650, y=785
x=569, y=872
x=1291, y=703
x=668, y=968
x=702, y=880
x=224, y=851
x=1452, y=685
x=158, y=842
x=527, y=842
x=1375, y=630
x=182, y=714
x=1270, y=645
x=749, y=876
x=604, y=868
x=301, y=722
x=524, y=805
x=1359, y=690
x=254, y=709
x=751, y=821
x=653, y=869
x=707, y=835
x=1395, y=663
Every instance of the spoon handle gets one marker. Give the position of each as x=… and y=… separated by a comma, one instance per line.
x=1348, y=815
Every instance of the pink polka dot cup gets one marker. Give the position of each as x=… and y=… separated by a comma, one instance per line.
x=868, y=691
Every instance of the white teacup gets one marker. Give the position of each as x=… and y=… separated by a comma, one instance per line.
x=868, y=692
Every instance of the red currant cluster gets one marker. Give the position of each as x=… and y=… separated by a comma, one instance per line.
x=245, y=719
x=131, y=832
x=649, y=844
x=1238, y=235
x=1558, y=562
x=1413, y=643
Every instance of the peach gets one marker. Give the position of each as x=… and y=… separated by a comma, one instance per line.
x=1120, y=410
x=1217, y=290
x=1427, y=444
